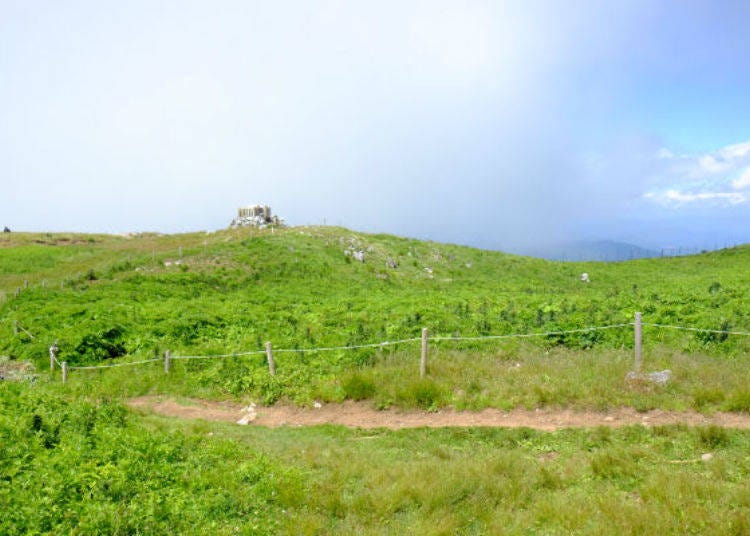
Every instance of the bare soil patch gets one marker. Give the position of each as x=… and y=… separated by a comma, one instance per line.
x=362, y=415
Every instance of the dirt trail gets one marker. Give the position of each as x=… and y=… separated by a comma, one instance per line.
x=362, y=415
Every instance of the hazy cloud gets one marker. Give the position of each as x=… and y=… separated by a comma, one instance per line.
x=743, y=181
x=676, y=198
x=702, y=178
x=497, y=124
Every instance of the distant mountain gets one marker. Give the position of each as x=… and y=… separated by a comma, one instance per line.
x=600, y=250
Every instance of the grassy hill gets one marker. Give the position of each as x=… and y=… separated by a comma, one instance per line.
x=107, y=298
x=74, y=459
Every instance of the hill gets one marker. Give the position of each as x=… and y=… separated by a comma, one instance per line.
x=106, y=298
x=75, y=458
x=300, y=287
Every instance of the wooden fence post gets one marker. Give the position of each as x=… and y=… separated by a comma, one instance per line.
x=638, y=341
x=167, y=364
x=15, y=327
x=269, y=355
x=180, y=251
x=423, y=361
x=64, y=371
x=26, y=283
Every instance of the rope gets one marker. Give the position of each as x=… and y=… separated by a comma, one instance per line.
x=526, y=335
x=722, y=332
x=334, y=348
x=403, y=341
x=216, y=356
x=129, y=364
x=24, y=330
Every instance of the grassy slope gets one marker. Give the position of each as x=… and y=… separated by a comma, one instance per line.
x=70, y=465
x=234, y=290
x=73, y=459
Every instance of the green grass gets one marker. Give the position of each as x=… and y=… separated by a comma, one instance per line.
x=73, y=460
x=235, y=290
x=74, y=465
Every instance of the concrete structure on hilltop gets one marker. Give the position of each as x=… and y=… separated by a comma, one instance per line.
x=256, y=216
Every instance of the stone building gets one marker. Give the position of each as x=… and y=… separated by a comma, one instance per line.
x=256, y=216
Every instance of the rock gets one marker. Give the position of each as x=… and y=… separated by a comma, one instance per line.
x=250, y=415
x=16, y=370
x=247, y=419
x=359, y=255
x=317, y=405
x=658, y=377
x=707, y=457
x=585, y=277
x=391, y=263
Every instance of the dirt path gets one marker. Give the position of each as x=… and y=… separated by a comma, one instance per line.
x=362, y=415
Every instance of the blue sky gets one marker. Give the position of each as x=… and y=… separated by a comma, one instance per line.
x=499, y=124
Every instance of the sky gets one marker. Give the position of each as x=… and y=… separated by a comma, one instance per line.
x=504, y=125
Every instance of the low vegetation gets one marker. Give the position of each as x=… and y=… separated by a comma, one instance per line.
x=73, y=459
x=75, y=465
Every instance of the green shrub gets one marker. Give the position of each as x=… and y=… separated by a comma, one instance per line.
x=739, y=401
x=96, y=347
x=358, y=387
x=712, y=436
x=705, y=397
x=423, y=393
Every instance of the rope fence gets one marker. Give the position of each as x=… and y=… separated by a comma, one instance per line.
x=425, y=339
x=700, y=330
x=112, y=365
x=528, y=335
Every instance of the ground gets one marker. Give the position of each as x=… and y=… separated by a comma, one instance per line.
x=363, y=415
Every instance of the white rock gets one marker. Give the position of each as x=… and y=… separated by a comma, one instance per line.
x=248, y=418
x=707, y=457
x=250, y=414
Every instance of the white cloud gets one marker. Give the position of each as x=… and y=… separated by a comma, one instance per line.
x=676, y=197
x=738, y=150
x=665, y=154
x=743, y=181
x=717, y=178
x=726, y=160
x=713, y=166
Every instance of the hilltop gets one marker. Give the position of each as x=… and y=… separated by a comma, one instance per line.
x=105, y=298
x=304, y=286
